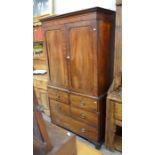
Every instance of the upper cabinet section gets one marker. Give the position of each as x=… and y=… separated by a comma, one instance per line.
x=80, y=50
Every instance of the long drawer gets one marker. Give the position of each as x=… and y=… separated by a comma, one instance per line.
x=84, y=116
x=58, y=107
x=85, y=103
x=58, y=95
x=78, y=127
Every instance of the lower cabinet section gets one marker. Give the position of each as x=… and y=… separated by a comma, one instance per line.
x=79, y=121
x=81, y=114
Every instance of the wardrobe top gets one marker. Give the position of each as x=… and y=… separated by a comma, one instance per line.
x=94, y=9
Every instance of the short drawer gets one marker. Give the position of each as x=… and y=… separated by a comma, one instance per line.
x=58, y=107
x=87, y=117
x=78, y=127
x=84, y=103
x=118, y=111
x=58, y=95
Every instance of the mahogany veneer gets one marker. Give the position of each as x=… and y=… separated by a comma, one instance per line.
x=79, y=49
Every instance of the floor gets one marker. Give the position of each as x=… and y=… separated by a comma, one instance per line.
x=102, y=150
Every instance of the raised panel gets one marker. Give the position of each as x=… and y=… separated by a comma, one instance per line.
x=55, y=45
x=82, y=46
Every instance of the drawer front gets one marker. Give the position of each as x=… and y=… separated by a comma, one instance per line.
x=76, y=126
x=118, y=111
x=58, y=95
x=87, y=117
x=84, y=103
x=58, y=107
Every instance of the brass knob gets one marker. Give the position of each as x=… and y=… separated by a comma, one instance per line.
x=83, y=130
x=68, y=57
x=82, y=103
x=82, y=116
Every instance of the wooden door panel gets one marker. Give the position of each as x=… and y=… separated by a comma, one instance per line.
x=55, y=44
x=82, y=58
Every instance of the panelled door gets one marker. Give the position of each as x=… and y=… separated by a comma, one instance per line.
x=81, y=38
x=56, y=50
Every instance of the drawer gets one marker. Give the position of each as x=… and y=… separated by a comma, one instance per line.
x=84, y=130
x=118, y=111
x=58, y=95
x=84, y=103
x=77, y=127
x=87, y=117
x=58, y=107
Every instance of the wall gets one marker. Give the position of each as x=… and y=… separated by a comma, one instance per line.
x=64, y=6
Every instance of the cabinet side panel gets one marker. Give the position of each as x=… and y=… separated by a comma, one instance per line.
x=105, y=55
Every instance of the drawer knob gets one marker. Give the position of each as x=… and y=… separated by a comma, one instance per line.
x=68, y=57
x=82, y=116
x=82, y=104
x=58, y=96
x=83, y=130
